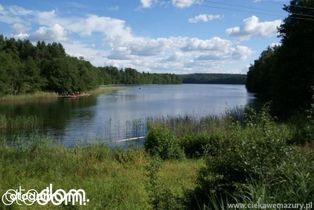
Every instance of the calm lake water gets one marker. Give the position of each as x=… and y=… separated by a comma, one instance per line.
x=123, y=114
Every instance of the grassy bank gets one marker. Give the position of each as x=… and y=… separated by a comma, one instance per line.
x=186, y=163
x=249, y=158
x=112, y=178
x=104, y=89
x=44, y=96
x=28, y=97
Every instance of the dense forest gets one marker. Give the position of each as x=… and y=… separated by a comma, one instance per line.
x=27, y=68
x=213, y=78
x=112, y=75
x=284, y=74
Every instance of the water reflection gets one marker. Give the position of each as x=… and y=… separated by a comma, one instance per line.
x=124, y=114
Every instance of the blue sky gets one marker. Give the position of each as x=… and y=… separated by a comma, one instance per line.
x=178, y=36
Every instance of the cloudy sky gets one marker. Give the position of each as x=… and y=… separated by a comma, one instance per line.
x=178, y=36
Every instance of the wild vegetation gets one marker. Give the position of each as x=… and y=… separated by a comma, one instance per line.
x=44, y=96
x=251, y=159
x=8, y=123
x=213, y=78
x=285, y=74
x=244, y=156
x=112, y=178
x=186, y=163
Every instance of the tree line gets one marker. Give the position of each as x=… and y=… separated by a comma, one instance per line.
x=27, y=68
x=213, y=78
x=284, y=74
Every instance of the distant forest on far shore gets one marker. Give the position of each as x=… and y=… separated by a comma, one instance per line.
x=213, y=78
x=28, y=68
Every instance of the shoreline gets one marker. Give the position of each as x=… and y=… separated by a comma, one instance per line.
x=41, y=95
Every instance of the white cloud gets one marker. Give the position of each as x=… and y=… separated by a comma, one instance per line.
x=241, y=52
x=16, y=10
x=19, y=28
x=185, y=3
x=55, y=33
x=253, y=27
x=118, y=45
x=21, y=36
x=147, y=3
x=8, y=15
x=44, y=17
x=113, y=29
x=204, y=18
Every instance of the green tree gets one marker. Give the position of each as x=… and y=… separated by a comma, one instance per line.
x=285, y=74
x=61, y=75
x=32, y=80
x=294, y=72
x=260, y=74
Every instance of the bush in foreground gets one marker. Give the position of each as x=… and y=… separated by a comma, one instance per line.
x=162, y=142
x=254, y=164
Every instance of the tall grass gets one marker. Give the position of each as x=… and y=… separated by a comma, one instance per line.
x=28, y=97
x=104, y=89
x=19, y=122
x=112, y=178
x=186, y=163
x=48, y=96
x=249, y=158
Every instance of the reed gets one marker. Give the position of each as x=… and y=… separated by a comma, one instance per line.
x=104, y=89
x=18, y=123
x=28, y=97
x=112, y=178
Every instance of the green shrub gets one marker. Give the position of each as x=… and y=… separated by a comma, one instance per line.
x=291, y=182
x=303, y=125
x=310, y=126
x=203, y=143
x=160, y=195
x=163, y=143
x=195, y=145
x=250, y=151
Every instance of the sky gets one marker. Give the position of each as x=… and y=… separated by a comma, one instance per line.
x=164, y=36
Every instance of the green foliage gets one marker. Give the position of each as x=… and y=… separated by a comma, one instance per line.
x=160, y=175
x=21, y=65
x=248, y=160
x=18, y=123
x=112, y=178
x=196, y=145
x=309, y=128
x=69, y=75
x=291, y=182
x=113, y=75
x=213, y=78
x=259, y=76
x=26, y=68
x=285, y=74
x=254, y=152
x=303, y=125
x=163, y=143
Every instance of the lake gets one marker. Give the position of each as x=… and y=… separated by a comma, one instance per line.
x=123, y=114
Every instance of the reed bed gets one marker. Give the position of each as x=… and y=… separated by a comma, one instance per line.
x=28, y=97
x=19, y=123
